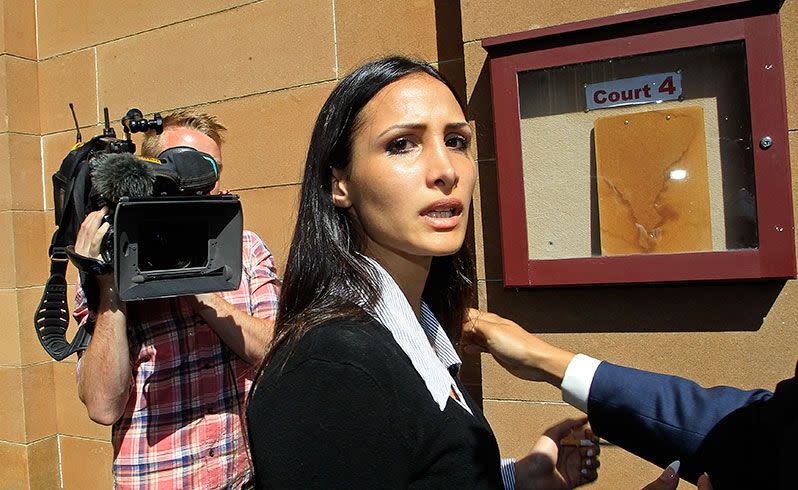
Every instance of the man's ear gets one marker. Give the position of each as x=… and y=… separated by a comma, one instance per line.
x=340, y=190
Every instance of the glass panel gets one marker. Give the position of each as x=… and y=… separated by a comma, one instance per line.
x=642, y=154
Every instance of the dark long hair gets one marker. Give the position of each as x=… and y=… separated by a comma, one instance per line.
x=326, y=276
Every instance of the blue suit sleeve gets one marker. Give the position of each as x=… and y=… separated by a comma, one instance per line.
x=658, y=417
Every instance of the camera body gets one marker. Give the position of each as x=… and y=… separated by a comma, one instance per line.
x=167, y=237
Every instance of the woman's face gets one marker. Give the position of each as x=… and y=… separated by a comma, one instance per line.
x=411, y=177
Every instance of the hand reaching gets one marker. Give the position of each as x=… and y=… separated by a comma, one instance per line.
x=554, y=465
x=515, y=349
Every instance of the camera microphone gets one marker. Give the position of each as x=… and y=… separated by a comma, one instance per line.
x=116, y=175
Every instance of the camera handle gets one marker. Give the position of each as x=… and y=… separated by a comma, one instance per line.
x=135, y=122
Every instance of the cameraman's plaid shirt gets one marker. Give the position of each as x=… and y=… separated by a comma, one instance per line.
x=183, y=424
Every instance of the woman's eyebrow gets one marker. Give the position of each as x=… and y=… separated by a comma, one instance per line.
x=402, y=126
x=457, y=125
x=450, y=126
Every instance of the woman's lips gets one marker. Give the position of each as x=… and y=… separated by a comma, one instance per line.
x=443, y=214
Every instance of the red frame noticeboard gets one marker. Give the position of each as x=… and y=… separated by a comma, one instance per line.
x=685, y=25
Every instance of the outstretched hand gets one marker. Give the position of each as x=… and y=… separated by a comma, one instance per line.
x=554, y=465
x=515, y=349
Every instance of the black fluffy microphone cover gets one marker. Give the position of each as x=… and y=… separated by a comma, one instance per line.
x=116, y=175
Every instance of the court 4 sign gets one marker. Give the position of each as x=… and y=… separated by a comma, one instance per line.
x=646, y=89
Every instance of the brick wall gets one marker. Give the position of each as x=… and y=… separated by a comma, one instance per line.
x=265, y=67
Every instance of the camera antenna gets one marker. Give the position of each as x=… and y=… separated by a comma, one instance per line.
x=78, y=137
x=107, y=129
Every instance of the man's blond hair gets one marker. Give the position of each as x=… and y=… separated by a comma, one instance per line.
x=184, y=118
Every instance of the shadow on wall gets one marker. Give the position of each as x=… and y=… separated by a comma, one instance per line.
x=643, y=308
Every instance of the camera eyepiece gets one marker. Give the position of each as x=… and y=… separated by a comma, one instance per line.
x=135, y=122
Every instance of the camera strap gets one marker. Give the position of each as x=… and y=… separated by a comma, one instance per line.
x=88, y=265
x=52, y=315
x=51, y=318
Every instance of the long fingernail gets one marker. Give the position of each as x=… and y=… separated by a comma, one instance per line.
x=589, y=453
x=584, y=471
x=671, y=472
x=588, y=462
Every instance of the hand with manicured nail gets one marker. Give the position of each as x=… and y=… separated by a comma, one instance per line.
x=669, y=479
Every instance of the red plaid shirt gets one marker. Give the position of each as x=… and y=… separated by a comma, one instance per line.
x=183, y=424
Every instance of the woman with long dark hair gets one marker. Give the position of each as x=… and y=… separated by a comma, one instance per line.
x=360, y=388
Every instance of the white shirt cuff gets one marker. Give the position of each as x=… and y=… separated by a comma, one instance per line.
x=577, y=380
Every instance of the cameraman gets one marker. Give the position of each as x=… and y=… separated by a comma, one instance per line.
x=172, y=375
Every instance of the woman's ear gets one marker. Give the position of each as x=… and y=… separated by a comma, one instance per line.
x=340, y=191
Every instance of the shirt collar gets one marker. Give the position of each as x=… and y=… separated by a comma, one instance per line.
x=425, y=342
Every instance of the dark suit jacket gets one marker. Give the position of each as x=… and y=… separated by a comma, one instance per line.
x=742, y=439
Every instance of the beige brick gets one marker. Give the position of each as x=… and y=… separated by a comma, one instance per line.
x=518, y=425
x=31, y=350
x=482, y=294
x=268, y=135
x=12, y=408
x=789, y=38
x=499, y=384
x=18, y=18
x=25, y=170
x=5, y=115
x=390, y=27
x=73, y=420
x=86, y=463
x=200, y=61
x=19, y=99
x=7, y=265
x=271, y=213
x=39, y=399
x=5, y=171
x=44, y=468
x=31, y=243
x=479, y=96
x=14, y=470
x=62, y=27
x=9, y=330
x=78, y=69
x=482, y=19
